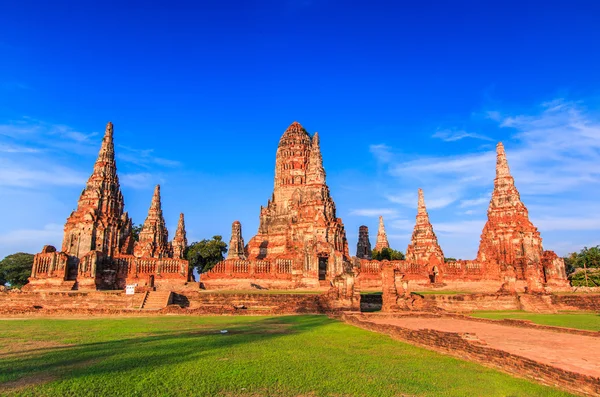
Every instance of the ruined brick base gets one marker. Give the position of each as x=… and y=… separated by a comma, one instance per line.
x=185, y=302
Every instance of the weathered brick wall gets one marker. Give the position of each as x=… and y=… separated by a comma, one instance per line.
x=453, y=344
x=589, y=302
x=115, y=302
x=471, y=302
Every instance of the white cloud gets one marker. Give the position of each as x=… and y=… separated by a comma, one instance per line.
x=553, y=153
x=14, y=174
x=381, y=152
x=374, y=212
x=457, y=135
x=144, y=157
x=475, y=202
x=30, y=240
x=139, y=180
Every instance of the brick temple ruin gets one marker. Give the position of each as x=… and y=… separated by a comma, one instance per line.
x=98, y=248
x=301, y=243
x=510, y=258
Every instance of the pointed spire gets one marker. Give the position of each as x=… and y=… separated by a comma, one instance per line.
x=502, y=168
x=315, y=172
x=101, y=197
x=236, y=243
x=154, y=237
x=181, y=227
x=156, y=205
x=424, y=249
x=421, y=209
x=180, y=240
x=107, y=149
x=315, y=142
x=382, y=240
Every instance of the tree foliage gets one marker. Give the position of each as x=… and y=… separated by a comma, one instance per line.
x=203, y=255
x=583, y=267
x=15, y=269
x=389, y=254
x=588, y=256
x=135, y=232
x=446, y=260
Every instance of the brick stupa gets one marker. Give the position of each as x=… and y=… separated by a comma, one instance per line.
x=179, y=243
x=237, y=249
x=98, y=246
x=363, y=246
x=154, y=236
x=424, y=249
x=508, y=237
x=99, y=223
x=382, y=240
x=511, y=246
x=300, y=220
x=300, y=241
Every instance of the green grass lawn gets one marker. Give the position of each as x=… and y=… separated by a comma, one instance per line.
x=259, y=356
x=589, y=321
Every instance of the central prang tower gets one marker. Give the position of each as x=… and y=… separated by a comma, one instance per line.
x=299, y=223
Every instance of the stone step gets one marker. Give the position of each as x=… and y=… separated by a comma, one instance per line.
x=156, y=300
x=536, y=303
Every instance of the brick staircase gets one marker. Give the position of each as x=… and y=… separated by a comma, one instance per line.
x=536, y=303
x=156, y=300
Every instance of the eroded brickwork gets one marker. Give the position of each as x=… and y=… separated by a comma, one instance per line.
x=98, y=247
x=237, y=248
x=154, y=236
x=424, y=249
x=510, y=258
x=300, y=239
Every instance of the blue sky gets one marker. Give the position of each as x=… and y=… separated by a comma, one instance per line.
x=403, y=94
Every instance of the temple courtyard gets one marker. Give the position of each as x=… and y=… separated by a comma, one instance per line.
x=308, y=355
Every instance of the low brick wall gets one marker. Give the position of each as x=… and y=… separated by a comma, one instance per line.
x=472, y=302
x=188, y=302
x=23, y=302
x=587, y=302
x=453, y=344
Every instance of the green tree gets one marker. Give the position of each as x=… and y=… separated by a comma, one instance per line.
x=15, y=269
x=389, y=254
x=135, y=232
x=583, y=267
x=449, y=260
x=203, y=255
x=588, y=256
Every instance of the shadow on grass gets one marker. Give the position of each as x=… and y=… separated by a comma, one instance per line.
x=145, y=352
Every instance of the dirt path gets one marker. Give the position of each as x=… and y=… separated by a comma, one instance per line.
x=576, y=353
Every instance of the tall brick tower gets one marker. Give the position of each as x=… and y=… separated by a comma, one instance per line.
x=99, y=222
x=300, y=222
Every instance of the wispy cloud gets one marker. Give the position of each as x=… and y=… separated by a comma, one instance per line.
x=457, y=135
x=30, y=240
x=139, y=180
x=144, y=157
x=381, y=152
x=17, y=175
x=371, y=212
x=553, y=153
